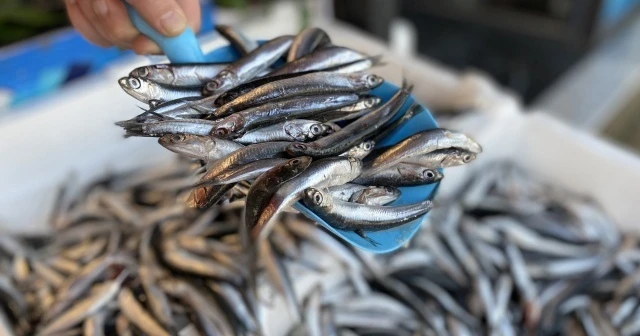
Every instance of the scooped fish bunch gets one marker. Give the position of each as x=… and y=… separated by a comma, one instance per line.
x=296, y=119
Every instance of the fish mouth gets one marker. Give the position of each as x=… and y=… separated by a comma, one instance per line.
x=124, y=82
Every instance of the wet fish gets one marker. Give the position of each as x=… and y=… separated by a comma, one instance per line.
x=292, y=130
x=423, y=143
x=443, y=158
x=325, y=58
x=403, y=174
x=306, y=41
x=361, y=150
x=351, y=216
x=320, y=174
x=238, y=157
x=376, y=195
x=366, y=103
x=202, y=147
x=179, y=74
x=317, y=83
x=244, y=172
x=147, y=91
x=246, y=68
x=355, y=132
x=243, y=44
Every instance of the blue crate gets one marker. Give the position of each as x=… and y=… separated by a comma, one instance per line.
x=43, y=64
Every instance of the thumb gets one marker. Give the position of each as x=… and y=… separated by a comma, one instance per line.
x=165, y=16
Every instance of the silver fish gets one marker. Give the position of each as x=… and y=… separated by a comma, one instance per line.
x=240, y=42
x=321, y=59
x=319, y=83
x=182, y=74
x=246, y=68
x=147, y=91
x=133, y=310
x=320, y=174
x=423, y=143
x=306, y=41
x=352, y=216
x=201, y=147
x=292, y=130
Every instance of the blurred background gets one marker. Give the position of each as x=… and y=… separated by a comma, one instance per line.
x=578, y=60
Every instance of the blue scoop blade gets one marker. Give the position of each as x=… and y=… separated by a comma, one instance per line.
x=390, y=239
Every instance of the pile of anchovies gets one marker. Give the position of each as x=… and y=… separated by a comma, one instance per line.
x=294, y=119
x=509, y=255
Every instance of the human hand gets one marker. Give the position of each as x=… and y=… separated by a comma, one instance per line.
x=106, y=22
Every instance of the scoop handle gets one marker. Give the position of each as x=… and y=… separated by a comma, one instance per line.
x=183, y=48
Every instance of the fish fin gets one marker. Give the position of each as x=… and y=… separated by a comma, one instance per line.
x=142, y=108
x=364, y=236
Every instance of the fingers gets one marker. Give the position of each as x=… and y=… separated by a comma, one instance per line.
x=165, y=16
x=191, y=9
x=106, y=22
x=111, y=20
x=80, y=22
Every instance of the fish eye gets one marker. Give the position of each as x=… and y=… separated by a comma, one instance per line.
x=177, y=138
x=316, y=129
x=295, y=161
x=300, y=146
x=372, y=80
x=367, y=146
x=143, y=72
x=429, y=174
x=211, y=86
x=134, y=83
x=317, y=197
x=466, y=158
x=222, y=131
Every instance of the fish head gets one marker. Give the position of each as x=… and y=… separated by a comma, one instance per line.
x=457, y=157
x=138, y=88
x=229, y=127
x=301, y=130
x=469, y=144
x=195, y=146
x=159, y=72
x=297, y=149
x=315, y=198
x=370, y=81
x=222, y=80
x=298, y=164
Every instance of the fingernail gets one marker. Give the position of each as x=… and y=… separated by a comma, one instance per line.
x=100, y=7
x=173, y=23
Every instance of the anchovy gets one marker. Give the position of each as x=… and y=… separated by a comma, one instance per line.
x=422, y=143
x=307, y=41
x=240, y=42
x=353, y=133
x=248, y=67
x=346, y=216
x=345, y=192
x=319, y=83
x=179, y=74
x=160, y=128
x=292, y=130
x=321, y=59
x=320, y=174
x=365, y=105
x=238, y=157
x=238, y=123
x=86, y=307
x=133, y=310
x=241, y=89
x=361, y=150
x=244, y=172
x=403, y=174
x=147, y=91
x=443, y=158
x=201, y=147
x=376, y=195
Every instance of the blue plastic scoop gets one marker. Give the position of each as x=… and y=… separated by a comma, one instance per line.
x=185, y=49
